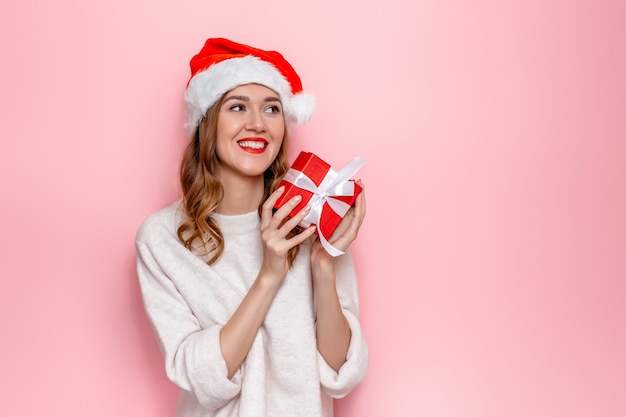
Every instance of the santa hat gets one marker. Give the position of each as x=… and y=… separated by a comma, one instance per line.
x=222, y=65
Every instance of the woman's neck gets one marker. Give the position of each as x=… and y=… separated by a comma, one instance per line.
x=241, y=195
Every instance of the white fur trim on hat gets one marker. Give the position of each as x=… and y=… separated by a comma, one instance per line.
x=208, y=86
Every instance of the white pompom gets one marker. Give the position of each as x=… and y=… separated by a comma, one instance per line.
x=300, y=107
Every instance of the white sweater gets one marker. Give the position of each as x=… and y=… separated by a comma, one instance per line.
x=189, y=301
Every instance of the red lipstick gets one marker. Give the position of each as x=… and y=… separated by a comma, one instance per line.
x=252, y=145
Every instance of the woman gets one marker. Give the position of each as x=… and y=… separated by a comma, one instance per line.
x=253, y=316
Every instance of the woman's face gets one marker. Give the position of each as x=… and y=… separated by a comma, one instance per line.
x=250, y=130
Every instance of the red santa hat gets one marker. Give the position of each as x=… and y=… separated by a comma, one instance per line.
x=222, y=65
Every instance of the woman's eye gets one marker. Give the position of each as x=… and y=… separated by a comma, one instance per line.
x=273, y=109
x=237, y=107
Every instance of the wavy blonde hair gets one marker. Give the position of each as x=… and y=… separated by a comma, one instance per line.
x=202, y=190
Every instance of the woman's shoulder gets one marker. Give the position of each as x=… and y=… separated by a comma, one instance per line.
x=161, y=223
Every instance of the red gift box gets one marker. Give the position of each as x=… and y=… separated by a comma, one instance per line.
x=321, y=174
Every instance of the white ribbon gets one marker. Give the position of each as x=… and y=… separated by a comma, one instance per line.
x=335, y=184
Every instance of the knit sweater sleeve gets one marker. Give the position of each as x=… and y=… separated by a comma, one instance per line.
x=193, y=357
x=339, y=384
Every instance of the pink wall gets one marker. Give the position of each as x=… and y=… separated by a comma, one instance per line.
x=493, y=258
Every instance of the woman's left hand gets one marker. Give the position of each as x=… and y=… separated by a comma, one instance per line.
x=342, y=237
x=333, y=330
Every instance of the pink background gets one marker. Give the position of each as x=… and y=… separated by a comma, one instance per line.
x=493, y=258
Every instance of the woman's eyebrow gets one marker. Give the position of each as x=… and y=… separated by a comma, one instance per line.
x=246, y=98
x=241, y=98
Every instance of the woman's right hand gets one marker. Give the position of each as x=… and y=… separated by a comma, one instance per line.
x=239, y=332
x=274, y=230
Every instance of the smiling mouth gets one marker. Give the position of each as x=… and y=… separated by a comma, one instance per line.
x=254, y=144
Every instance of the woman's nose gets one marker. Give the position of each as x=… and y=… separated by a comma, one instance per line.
x=255, y=122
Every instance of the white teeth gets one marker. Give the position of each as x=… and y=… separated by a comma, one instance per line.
x=252, y=144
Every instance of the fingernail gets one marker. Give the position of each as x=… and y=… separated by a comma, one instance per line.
x=306, y=210
x=280, y=189
x=297, y=198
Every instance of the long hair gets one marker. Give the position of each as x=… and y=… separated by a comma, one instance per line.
x=203, y=192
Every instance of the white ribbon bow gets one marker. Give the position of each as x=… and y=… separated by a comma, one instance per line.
x=335, y=184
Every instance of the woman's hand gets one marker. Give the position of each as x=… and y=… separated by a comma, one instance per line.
x=274, y=230
x=333, y=331
x=239, y=332
x=343, y=236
